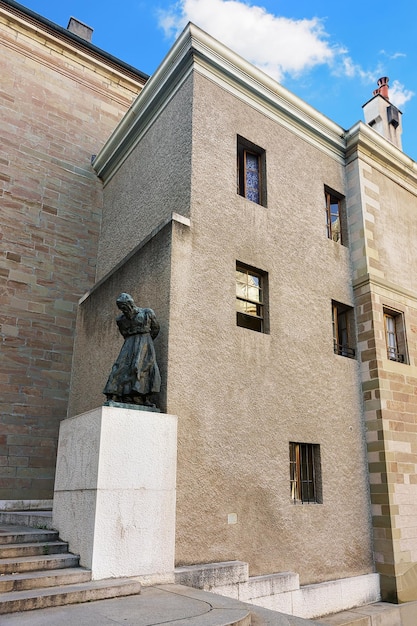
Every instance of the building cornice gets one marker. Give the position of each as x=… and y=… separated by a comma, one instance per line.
x=377, y=283
x=362, y=140
x=197, y=51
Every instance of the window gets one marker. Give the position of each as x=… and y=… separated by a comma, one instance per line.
x=336, y=228
x=251, y=171
x=343, y=329
x=395, y=335
x=250, y=298
x=305, y=473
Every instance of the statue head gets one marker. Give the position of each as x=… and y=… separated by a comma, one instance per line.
x=124, y=298
x=125, y=303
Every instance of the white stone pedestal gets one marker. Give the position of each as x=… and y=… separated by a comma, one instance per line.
x=114, y=499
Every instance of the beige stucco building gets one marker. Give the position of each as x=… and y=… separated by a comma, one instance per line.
x=277, y=250
x=289, y=390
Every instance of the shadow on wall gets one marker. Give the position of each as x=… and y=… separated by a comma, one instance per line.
x=146, y=276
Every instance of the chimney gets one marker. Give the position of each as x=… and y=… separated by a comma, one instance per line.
x=80, y=29
x=383, y=116
x=382, y=87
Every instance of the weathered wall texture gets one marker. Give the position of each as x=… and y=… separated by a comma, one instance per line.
x=59, y=104
x=242, y=396
x=146, y=276
x=386, y=227
x=153, y=182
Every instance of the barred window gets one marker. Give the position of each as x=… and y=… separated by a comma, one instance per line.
x=395, y=335
x=305, y=473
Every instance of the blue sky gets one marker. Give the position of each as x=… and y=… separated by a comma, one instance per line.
x=328, y=53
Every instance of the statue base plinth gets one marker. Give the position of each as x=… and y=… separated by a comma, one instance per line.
x=114, y=499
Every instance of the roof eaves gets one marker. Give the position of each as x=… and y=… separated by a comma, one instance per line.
x=65, y=34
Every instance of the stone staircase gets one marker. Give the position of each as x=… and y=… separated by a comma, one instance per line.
x=37, y=571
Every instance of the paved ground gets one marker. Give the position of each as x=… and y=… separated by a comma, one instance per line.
x=175, y=605
x=183, y=606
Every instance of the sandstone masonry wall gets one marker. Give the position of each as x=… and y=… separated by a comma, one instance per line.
x=59, y=102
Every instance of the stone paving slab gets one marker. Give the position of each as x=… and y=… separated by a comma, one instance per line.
x=377, y=614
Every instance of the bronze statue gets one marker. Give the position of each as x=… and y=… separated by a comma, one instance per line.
x=135, y=374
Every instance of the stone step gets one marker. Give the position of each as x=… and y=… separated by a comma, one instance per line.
x=41, y=579
x=32, y=563
x=68, y=594
x=9, y=551
x=34, y=519
x=15, y=534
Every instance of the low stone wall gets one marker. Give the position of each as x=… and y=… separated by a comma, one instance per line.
x=281, y=591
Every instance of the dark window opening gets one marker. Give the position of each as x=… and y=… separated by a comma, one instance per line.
x=395, y=336
x=335, y=217
x=251, y=171
x=305, y=473
x=343, y=330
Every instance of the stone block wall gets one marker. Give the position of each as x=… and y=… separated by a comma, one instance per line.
x=383, y=227
x=59, y=104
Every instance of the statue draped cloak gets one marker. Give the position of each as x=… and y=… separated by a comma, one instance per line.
x=136, y=370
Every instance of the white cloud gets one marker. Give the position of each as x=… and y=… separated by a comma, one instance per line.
x=398, y=95
x=393, y=56
x=347, y=67
x=277, y=45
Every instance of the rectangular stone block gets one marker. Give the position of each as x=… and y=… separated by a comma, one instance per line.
x=337, y=595
x=270, y=585
x=114, y=498
x=212, y=575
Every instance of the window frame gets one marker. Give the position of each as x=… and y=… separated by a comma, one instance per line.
x=258, y=321
x=246, y=149
x=395, y=337
x=343, y=346
x=332, y=198
x=305, y=473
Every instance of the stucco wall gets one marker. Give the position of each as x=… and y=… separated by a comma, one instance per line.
x=153, y=182
x=242, y=396
x=146, y=276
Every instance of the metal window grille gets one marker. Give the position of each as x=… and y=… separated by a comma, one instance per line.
x=341, y=331
x=304, y=461
x=391, y=333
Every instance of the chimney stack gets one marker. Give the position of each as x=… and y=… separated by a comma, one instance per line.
x=80, y=29
x=383, y=116
x=382, y=87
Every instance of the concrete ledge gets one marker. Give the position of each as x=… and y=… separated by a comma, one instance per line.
x=336, y=595
x=212, y=575
x=271, y=585
x=281, y=591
